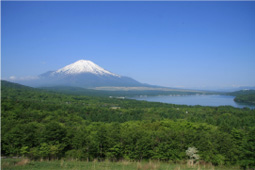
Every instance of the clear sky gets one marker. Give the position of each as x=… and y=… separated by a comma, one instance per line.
x=174, y=44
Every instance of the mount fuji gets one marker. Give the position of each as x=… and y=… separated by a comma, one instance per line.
x=82, y=73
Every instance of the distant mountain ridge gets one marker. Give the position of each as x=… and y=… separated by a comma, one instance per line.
x=82, y=73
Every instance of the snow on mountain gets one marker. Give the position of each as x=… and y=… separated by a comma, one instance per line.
x=83, y=66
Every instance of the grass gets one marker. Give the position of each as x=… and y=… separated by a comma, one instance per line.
x=26, y=164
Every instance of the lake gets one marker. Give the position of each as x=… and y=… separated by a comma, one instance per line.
x=203, y=100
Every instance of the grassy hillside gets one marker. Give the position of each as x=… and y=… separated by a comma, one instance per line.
x=25, y=164
x=47, y=125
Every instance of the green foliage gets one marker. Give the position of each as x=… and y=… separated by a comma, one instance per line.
x=49, y=125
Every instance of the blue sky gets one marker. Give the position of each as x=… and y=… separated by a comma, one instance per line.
x=174, y=44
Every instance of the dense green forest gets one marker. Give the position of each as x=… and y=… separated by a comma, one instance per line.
x=244, y=96
x=41, y=124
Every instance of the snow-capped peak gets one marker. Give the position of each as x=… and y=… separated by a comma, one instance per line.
x=84, y=66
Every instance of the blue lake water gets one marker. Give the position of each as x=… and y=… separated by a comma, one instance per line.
x=203, y=100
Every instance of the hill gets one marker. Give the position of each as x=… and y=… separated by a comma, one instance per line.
x=121, y=91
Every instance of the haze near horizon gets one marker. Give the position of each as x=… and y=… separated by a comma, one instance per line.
x=206, y=45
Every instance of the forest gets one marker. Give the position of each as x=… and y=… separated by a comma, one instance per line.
x=244, y=96
x=42, y=124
